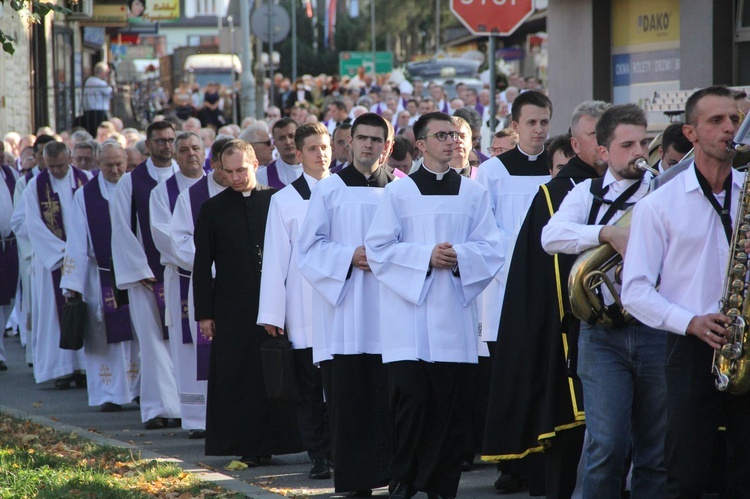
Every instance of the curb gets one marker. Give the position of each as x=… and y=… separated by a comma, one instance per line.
x=225, y=481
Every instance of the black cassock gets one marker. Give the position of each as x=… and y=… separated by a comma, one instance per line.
x=532, y=398
x=240, y=420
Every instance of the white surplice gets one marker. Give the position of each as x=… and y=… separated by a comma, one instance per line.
x=158, y=386
x=190, y=390
x=113, y=370
x=287, y=173
x=285, y=296
x=510, y=198
x=48, y=250
x=431, y=313
x=345, y=318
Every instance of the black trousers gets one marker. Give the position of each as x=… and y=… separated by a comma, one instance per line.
x=695, y=410
x=312, y=415
x=430, y=408
x=91, y=120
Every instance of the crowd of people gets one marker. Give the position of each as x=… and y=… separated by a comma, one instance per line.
x=418, y=267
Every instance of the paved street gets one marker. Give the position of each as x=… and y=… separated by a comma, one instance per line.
x=286, y=474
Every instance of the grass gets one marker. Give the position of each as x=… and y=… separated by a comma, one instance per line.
x=38, y=462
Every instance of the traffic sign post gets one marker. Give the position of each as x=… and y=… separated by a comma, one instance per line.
x=492, y=17
x=349, y=62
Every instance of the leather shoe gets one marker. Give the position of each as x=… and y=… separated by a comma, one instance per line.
x=509, y=483
x=80, y=380
x=360, y=493
x=63, y=383
x=251, y=461
x=320, y=470
x=402, y=491
x=196, y=434
x=3, y=366
x=110, y=407
x=154, y=424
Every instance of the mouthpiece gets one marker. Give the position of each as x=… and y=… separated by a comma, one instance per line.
x=641, y=164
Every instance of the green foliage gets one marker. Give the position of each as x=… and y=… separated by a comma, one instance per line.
x=36, y=11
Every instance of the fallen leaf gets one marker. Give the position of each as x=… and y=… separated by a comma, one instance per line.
x=53, y=418
x=235, y=465
x=36, y=404
x=28, y=438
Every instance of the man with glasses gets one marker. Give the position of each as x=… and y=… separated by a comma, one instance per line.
x=346, y=333
x=257, y=136
x=138, y=270
x=85, y=154
x=285, y=169
x=433, y=244
x=341, y=147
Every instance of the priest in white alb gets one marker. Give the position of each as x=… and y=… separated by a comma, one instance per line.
x=48, y=200
x=110, y=347
x=139, y=271
x=190, y=156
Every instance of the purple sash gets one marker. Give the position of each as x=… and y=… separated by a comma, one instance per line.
x=446, y=108
x=143, y=184
x=51, y=212
x=173, y=190
x=480, y=109
x=8, y=251
x=116, y=317
x=198, y=195
x=273, y=176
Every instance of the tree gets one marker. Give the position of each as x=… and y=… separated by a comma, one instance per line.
x=34, y=11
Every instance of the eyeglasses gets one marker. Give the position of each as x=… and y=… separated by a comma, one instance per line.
x=163, y=142
x=442, y=136
x=473, y=163
x=266, y=143
x=497, y=150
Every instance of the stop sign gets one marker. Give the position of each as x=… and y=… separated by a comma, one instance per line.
x=492, y=17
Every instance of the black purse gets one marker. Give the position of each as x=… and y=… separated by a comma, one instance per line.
x=279, y=374
x=73, y=324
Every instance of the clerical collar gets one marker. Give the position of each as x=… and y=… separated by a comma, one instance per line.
x=246, y=194
x=438, y=175
x=532, y=157
x=353, y=178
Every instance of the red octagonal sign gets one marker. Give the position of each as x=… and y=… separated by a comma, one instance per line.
x=492, y=17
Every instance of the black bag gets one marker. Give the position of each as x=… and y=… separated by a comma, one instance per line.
x=73, y=324
x=277, y=359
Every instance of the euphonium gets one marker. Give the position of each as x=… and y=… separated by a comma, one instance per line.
x=589, y=275
x=730, y=364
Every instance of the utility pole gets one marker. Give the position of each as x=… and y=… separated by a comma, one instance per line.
x=247, y=80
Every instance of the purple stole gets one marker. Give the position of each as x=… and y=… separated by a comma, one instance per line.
x=336, y=167
x=143, y=184
x=173, y=191
x=272, y=172
x=482, y=157
x=51, y=212
x=480, y=109
x=8, y=251
x=116, y=317
x=446, y=108
x=199, y=194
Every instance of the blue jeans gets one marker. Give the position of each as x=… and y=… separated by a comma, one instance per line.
x=625, y=396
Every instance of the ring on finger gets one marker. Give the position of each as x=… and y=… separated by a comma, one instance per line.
x=708, y=333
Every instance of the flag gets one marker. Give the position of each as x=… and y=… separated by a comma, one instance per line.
x=309, y=8
x=330, y=25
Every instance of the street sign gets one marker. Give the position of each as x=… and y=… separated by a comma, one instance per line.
x=349, y=62
x=270, y=22
x=492, y=17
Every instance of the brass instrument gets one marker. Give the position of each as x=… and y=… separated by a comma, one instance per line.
x=730, y=364
x=589, y=275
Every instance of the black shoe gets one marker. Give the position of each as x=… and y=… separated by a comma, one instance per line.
x=154, y=424
x=137, y=400
x=360, y=493
x=110, y=407
x=80, y=380
x=196, y=434
x=173, y=423
x=320, y=470
x=3, y=366
x=251, y=461
x=63, y=383
x=439, y=496
x=509, y=483
x=402, y=491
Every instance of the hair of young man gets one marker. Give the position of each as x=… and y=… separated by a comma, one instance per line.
x=236, y=145
x=372, y=119
x=593, y=108
x=54, y=149
x=41, y=141
x=420, y=126
x=529, y=98
x=218, y=145
x=692, y=102
x=183, y=136
x=622, y=114
x=558, y=143
x=401, y=146
x=108, y=145
x=470, y=115
x=282, y=123
x=306, y=130
x=674, y=137
x=156, y=126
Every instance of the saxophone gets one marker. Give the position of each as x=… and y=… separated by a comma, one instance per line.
x=730, y=363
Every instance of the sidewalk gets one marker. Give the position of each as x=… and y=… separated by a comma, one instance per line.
x=67, y=410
